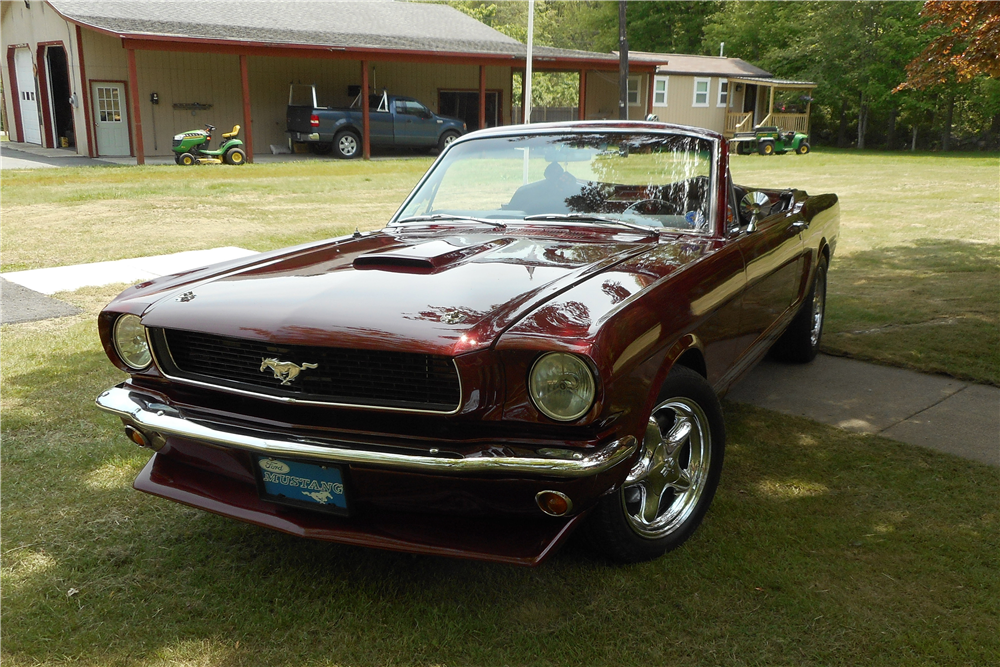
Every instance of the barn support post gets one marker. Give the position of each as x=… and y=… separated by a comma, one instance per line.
x=366, y=130
x=482, y=96
x=248, y=127
x=649, y=95
x=84, y=95
x=133, y=87
x=582, y=104
x=15, y=95
x=524, y=118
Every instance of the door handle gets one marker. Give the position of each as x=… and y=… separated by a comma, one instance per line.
x=799, y=225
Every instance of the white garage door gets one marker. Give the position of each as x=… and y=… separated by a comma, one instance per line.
x=26, y=93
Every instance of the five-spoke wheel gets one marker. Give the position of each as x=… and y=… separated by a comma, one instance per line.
x=670, y=486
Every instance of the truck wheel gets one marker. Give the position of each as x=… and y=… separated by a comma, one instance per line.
x=321, y=148
x=446, y=140
x=186, y=159
x=235, y=156
x=800, y=342
x=346, y=145
x=766, y=148
x=668, y=491
x=802, y=149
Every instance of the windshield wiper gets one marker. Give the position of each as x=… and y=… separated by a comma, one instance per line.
x=449, y=216
x=588, y=217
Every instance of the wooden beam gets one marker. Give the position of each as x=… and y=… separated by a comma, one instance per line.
x=366, y=130
x=133, y=87
x=247, y=121
x=14, y=93
x=523, y=76
x=649, y=95
x=43, y=97
x=482, y=96
x=84, y=96
x=581, y=113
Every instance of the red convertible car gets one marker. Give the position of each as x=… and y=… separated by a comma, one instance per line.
x=535, y=342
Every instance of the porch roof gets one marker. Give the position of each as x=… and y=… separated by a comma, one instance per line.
x=773, y=83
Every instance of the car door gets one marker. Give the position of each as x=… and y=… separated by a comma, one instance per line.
x=419, y=126
x=776, y=267
x=380, y=120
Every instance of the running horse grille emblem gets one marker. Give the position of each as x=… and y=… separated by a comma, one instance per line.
x=285, y=371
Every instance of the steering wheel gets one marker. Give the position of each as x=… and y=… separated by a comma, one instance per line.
x=648, y=204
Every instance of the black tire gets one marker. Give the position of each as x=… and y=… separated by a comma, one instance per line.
x=684, y=446
x=347, y=145
x=321, y=148
x=800, y=342
x=186, y=159
x=446, y=139
x=766, y=148
x=802, y=149
x=235, y=156
x=742, y=148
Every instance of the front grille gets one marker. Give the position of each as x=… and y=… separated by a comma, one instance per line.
x=359, y=377
x=176, y=143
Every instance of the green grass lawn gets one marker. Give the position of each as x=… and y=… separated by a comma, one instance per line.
x=823, y=547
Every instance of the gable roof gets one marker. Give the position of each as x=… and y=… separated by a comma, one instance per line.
x=341, y=24
x=679, y=63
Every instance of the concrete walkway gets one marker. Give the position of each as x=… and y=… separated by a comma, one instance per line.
x=931, y=411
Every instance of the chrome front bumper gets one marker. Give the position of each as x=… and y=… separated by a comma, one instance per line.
x=562, y=463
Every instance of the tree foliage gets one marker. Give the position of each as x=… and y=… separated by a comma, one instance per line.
x=969, y=45
x=857, y=53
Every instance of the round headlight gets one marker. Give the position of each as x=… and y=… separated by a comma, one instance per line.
x=130, y=342
x=561, y=386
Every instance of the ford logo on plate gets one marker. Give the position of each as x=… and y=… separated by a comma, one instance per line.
x=273, y=466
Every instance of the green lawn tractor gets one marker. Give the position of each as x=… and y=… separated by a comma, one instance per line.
x=192, y=147
x=770, y=140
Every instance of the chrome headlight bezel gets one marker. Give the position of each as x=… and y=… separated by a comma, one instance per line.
x=129, y=330
x=580, y=370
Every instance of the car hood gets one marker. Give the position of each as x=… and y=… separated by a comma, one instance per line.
x=442, y=293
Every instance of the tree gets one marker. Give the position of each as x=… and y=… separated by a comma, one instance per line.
x=967, y=47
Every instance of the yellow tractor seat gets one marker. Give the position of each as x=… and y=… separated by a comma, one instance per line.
x=230, y=135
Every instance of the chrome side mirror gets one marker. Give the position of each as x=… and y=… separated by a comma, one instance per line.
x=754, y=206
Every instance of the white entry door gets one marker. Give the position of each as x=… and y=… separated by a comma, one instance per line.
x=26, y=94
x=110, y=118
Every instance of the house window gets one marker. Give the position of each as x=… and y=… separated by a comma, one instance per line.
x=660, y=91
x=634, y=98
x=723, y=92
x=701, y=92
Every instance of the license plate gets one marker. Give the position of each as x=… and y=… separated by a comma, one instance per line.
x=312, y=485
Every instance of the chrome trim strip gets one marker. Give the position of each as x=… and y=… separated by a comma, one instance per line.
x=289, y=400
x=118, y=401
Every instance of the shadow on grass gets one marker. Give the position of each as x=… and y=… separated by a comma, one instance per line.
x=822, y=547
x=932, y=306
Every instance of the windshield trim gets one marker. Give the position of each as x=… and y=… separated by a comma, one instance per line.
x=597, y=128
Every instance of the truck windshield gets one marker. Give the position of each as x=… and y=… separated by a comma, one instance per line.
x=655, y=180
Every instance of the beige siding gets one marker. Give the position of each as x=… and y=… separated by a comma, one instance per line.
x=602, y=96
x=680, y=107
x=30, y=25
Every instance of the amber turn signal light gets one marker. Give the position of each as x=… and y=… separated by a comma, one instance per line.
x=136, y=436
x=554, y=503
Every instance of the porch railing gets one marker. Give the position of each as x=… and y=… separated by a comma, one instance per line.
x=791, y=122
x=738, y=122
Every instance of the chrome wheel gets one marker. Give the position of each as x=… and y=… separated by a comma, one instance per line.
x=663, y=488
x=818, y=307
x=347, y=145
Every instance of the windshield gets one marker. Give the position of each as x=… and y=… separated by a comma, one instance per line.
x=655, y=180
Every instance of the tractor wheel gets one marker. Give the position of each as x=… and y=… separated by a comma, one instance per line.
x=235, y=156
x=766, y=148
x=186, y=159
x=742, y=148
x=802, y=149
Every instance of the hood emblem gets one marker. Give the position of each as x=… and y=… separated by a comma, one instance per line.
x=184, y=298
x=285, y=371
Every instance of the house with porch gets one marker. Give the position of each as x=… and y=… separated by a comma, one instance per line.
x=121, y=78
x=728, y=95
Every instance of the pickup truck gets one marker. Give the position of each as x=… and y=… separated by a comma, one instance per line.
x=394, y=120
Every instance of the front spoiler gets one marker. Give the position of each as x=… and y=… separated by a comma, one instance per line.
x=562, y=463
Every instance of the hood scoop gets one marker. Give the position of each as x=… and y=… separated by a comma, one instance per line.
x=428, y=257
